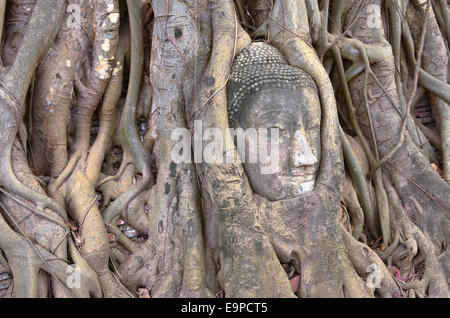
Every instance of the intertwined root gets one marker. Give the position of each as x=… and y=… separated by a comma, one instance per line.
x=363, y=259
x=26, y=259
x=418, y=248
x=205, y=230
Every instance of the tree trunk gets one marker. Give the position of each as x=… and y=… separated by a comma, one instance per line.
x=121, y=168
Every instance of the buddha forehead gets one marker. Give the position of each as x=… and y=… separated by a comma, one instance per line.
x=280, y=104
x=261, y=79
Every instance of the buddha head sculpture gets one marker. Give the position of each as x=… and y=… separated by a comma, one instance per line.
x=264, y=92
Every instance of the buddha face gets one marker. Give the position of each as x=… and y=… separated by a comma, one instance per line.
x=296, y=115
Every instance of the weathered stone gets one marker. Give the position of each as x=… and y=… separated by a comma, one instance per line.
x=258, y=67
x=265, y=93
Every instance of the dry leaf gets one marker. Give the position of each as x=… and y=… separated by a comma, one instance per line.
x=143, y=293
x=295, y=283
x=437, y=169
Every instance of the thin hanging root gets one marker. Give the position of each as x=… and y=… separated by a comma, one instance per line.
x=446, y=18
x=43, y=215
x=314, y=19
x=128, y=135
x=4, y=263
x=380, y=193
x=126, y=161
x=33, y=47
x=122, y=238
x=8, y=178
x=383, y=208
x=439, y=18
x=408, y=107
x=120, y=205
x=355, y=214
x=2, y=17
x=431, y=135
x=426, y=80
x=240, y=41
x=261, y=10
x=28, y=278
x=10, y=182
x=34, y=210
x=436, y=50
x=349, y=103
x=107, y=116
x=65, y=174
x=374, y=159
x=384, y=255
x=135, y=215
x=395, y=10
x=240, y=10
x=396, y=34
x=359, y=181
x=433, y=279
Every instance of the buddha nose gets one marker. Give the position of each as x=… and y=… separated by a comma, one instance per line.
x=302, y=154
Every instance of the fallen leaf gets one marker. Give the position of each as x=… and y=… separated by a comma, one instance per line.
x=437, y=169
x=220, y=294
x=72, y=226
x=78, y=240
x=143, y=293
x=111, y=237
x=295, y=283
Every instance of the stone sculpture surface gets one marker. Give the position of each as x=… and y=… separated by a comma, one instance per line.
x=264, y=93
